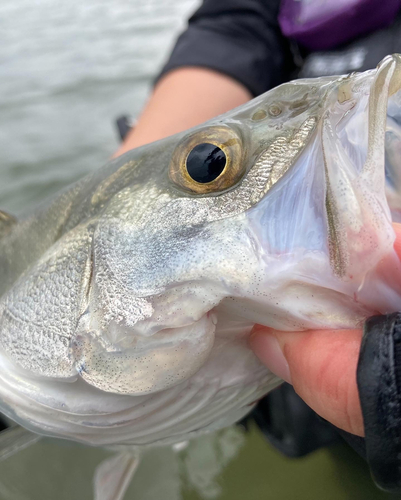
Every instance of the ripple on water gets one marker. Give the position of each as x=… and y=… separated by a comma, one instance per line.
x=68, y=70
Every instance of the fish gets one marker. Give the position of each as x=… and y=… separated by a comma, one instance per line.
x=127, y=300
x=393, y=157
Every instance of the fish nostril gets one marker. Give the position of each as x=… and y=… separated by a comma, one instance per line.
x=275, y=110
x=259, y=115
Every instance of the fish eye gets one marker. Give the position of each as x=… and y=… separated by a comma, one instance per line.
x=209, y=160
x=205, y=162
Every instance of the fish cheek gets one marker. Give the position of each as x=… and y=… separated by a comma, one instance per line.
x=40, y=312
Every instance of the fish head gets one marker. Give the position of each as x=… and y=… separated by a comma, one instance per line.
x=176, y=243
x=274, y=213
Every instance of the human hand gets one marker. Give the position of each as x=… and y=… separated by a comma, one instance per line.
x=320, y=364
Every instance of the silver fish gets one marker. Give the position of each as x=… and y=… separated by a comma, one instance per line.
x=127, y=300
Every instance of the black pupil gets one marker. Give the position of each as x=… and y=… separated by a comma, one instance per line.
x=205, y=162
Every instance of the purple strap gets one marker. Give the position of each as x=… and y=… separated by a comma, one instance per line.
x=324, y=24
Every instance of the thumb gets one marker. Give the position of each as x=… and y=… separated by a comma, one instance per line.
x=321, y=365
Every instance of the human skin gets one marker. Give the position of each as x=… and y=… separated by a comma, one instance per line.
x=320, y=364
x=182, y=99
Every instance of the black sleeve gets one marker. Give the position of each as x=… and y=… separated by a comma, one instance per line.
x=241, y=39
x=379, y=385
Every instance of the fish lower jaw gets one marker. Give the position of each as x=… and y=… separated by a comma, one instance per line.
x=143, y=365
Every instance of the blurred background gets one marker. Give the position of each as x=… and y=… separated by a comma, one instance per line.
x=68, y=69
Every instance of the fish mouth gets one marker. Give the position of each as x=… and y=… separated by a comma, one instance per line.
x=322, y=230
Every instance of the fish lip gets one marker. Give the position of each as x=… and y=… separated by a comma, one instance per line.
x=162, y=361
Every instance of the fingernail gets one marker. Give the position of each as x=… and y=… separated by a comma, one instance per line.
x=268, y=350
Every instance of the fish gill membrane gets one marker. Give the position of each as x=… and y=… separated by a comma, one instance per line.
x=127, y=300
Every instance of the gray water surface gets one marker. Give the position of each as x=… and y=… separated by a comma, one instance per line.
x=68, y=69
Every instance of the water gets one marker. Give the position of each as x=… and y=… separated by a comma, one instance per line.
x=68, y=68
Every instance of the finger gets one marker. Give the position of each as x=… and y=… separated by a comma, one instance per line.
x=397, y=243
x=321, y=365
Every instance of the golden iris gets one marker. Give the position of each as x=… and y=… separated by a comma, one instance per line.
x=208, y=160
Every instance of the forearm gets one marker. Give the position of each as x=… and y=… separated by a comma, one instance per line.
x=183, y=98
x=230, y=52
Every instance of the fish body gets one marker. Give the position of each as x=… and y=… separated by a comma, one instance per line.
x=126, y=301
